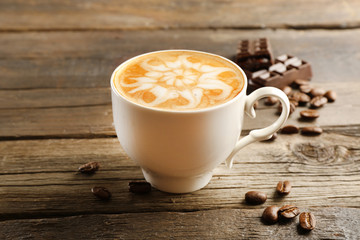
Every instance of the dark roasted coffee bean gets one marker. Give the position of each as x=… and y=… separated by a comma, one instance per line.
x=318, y=102
x=294, y=97
x=303, y=99
x=255, y=197
x=139, y=187
x=283, y=187
x=273, y=137
x=299, y=82
x=270, y=214
x=271, y=101
x=90, y=167
x=292, y=105
x=287, y=90
x=101, y=192
x=256, y=104
x=294, y=102
x=289, y=129
x=309, y=114
x=289, y=211
x=317, y=92
x=307, y=221
x=331, y=96
x=305, y=89
x=311, y=131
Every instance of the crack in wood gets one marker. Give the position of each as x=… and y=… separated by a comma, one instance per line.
x=302, y=27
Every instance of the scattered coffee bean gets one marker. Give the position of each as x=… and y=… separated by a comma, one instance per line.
x=139, y=187
x=317, y=92
x=311, y=131
x=307, y=221
x=273, y=137
x=299, y=82
x=331, y=96
x=271, y=101
x=294, y=102
x=101, y=193
x=256, y=104
x=305, y=88
x=289, y=211
x=295, y=96
x=293, y=106
x=283, y=187
x=255, y=197
x=309, y=114
x=270, y=214
x=90, y=167
x=303, y=99
x=287, y=90
x=289, y=129
x=318, y=102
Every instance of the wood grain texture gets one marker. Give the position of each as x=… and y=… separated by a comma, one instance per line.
x=87, y=59
x=38, y=177
x=50, y=98
x=332, y=223
x=88, y=113
x=125, y=15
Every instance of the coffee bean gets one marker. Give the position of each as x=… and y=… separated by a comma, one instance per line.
x=292, y=105
x=270, y=214
x=318, y=102
x=307, y=221
x=101, y=193
x=90, y=167
x=273, y=137
x=311, y=131
x=305, y=88
x=256, y=104
x=294, y=97
x=299, y=82
x=255, y=197
x=283, y=188
x=309, y=114
x=289, y=211
x=331, y=96
x=287, y=90
x=317, y=92
x=139, y=187
x=271, y=101
x=289, y=129
x=303, y=99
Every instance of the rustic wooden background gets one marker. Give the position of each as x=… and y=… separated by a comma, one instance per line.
x=56, y=58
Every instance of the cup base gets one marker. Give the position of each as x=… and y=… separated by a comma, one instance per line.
x=177, y=184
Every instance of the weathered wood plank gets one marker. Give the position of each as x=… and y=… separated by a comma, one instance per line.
x=57, y=72
x=332, y=223
x=111, y=14
x=38, y=177
x=54, y=97
x=69, y=112
x=87, y=59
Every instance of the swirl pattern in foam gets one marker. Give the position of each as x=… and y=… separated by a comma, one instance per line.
x=178, y=80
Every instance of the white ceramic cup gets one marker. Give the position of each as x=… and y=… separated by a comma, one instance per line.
x=178, y=150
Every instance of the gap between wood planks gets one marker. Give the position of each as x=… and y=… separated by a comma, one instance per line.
x=347, y=130
x=274, y=27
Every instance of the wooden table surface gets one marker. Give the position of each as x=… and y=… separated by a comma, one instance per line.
x=56, y=58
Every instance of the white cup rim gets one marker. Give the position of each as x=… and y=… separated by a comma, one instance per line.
x=239, y=95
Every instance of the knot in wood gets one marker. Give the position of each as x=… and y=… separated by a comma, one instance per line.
x=322, y=154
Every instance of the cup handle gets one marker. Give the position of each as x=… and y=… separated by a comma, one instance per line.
x=267, y=132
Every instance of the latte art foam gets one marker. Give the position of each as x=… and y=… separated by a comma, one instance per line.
x=178, y=80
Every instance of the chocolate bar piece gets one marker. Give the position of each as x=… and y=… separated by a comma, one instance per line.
x=254, y=55
x=285, y=70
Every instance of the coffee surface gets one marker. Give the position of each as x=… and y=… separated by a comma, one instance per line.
x=178, y=80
